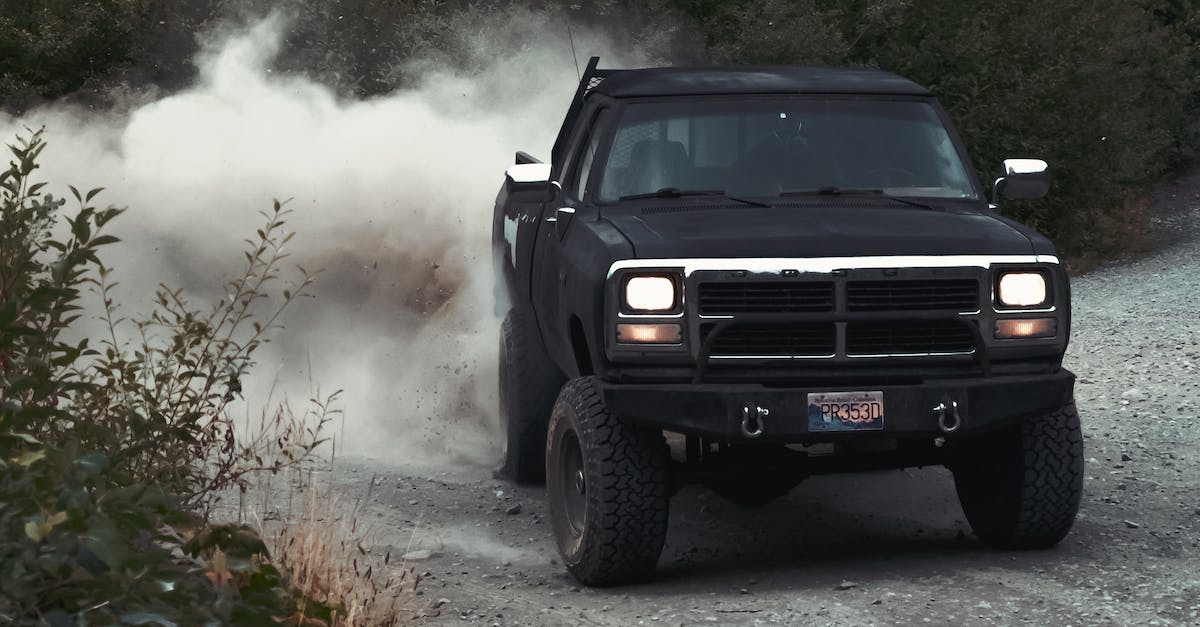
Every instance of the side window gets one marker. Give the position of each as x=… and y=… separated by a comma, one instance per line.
x=650, y=154
x=580, y=164
x=585, y=167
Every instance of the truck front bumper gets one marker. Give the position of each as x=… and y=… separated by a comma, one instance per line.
x=719, y=411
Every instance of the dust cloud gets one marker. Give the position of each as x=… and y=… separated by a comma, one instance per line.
x=392, y=198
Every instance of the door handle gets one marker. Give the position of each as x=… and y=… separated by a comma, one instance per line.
x=569, y=211
x=561, y=220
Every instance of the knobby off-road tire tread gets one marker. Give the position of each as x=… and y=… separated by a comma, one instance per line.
x=1041, y=508
x=1053, y=478
x=529, y=383
x=627, y=500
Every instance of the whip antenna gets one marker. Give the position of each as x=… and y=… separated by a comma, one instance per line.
x=571, y=37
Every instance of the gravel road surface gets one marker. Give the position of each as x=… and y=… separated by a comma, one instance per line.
x=877, y=548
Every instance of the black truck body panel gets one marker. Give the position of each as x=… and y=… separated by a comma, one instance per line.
x=716, y=410
x=566, y=269
x=682, y=81
x=878, y=228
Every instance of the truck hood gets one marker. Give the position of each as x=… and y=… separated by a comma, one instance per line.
x=821, y=231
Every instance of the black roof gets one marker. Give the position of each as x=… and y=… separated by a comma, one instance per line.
x=694, y=81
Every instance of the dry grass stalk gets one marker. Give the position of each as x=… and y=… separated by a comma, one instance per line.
x=324, y=550
x=315, y=535
x=320, y=541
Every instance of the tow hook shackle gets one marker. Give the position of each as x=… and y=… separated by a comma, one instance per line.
x=948, y=419
x=752, y=419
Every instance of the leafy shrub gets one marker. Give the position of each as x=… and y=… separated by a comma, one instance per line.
x=80, y=544
x=390, y=41
x=774, y=32
x=1095, y=87
x=108, y=448
x=1100, y=89
x=51, y=48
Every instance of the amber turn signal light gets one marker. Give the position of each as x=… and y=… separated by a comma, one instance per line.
x=1026, y=328
x=649, y=334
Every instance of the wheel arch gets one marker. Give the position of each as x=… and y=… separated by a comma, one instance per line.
x=580, y=347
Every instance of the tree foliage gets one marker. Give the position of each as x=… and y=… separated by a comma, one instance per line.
x=51, y=48
x=1103, y=90
x=110, y=447
x=1098, y=88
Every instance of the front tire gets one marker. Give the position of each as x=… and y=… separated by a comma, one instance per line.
x=529, y=383
x=607, y=486
x=1021, y=489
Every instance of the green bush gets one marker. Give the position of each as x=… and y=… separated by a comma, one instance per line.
x=1102, y=90
x=1098, y=88
x=773, y=32
x=109, y=449
x=1095, y=87
x=51, y=48
x=374, y=54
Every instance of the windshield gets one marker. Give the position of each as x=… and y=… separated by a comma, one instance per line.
x=778, y=146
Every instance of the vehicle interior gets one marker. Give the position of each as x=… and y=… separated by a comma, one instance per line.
x=772, y=149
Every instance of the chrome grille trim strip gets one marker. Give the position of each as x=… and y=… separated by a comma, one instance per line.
x=826, y=265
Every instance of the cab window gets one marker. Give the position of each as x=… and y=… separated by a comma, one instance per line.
x=580, y=166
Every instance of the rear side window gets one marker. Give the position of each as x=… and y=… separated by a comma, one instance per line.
x=579, y=165
x=583, y=173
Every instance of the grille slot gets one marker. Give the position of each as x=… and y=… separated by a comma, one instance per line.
x=909, y=337
x=774, y=340
x=954, y=294
x=765, y=297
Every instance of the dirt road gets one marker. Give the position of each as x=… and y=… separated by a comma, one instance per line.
x=879, y=548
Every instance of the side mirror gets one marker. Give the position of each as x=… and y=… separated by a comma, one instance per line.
x=530, y=181
x=524, y=157
x=1023, y=179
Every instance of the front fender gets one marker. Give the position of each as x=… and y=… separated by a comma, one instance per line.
x=590, y=247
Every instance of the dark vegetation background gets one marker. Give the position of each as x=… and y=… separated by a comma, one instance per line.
x=100, y=521
x=1102, y=89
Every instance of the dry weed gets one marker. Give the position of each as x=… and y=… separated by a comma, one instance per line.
x=318, y=538
x=314, y=533
x=325, y=551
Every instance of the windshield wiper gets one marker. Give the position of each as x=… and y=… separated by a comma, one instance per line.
x=849, y=191
x=675, y=192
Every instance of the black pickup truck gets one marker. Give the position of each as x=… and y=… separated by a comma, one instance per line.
x=742, y=277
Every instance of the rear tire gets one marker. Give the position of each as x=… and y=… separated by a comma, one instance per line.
x=529, y=383
x=607, y=486
x=1021, y=489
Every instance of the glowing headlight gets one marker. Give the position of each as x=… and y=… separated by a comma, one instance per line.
x=650, y=293
x=1022, y=289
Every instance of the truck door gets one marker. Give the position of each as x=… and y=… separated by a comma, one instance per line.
x=514, y=238
x=548, y=271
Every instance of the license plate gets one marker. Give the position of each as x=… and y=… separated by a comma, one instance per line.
x=845, y=411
